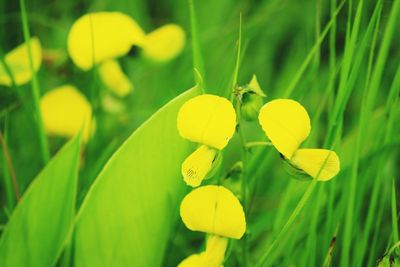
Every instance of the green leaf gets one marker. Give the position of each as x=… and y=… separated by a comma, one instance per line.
x=127, y=216
x=44, y=217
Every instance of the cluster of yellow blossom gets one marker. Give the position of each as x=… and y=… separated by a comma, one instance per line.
x=210, y=121
x=94, y=40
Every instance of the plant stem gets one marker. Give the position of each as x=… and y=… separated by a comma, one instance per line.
x=9, y=166
x=44, y=149
x=257, y=143
x=394, y=213
x=198, y=64
x=244, y=185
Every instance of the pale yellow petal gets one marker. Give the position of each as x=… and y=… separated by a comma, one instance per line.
x=214, y=210
x=164, y=43
x=114, y=78
x=321, y=164
x=65, y=111
x=207, y=119
x=99, y=36
x=18, y=63
x=215, y=250
x=286, y=123
x=198, y=165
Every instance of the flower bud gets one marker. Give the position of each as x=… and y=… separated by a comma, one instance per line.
x=251, y=105
x=252, y=100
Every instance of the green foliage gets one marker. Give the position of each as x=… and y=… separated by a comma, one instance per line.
x=43, y=219
x=129, y=212
x=340, y=59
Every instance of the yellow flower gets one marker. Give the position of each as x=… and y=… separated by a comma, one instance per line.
x=97, y=37
x=212, y=257
x=65, y=111
x=164, y=43
x=101, y=37
x=214, y=210
x=114, y=78
x=209, y=120
x=18, y=62
x=287, y=124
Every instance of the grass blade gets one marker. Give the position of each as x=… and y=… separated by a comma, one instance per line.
x=44, y=148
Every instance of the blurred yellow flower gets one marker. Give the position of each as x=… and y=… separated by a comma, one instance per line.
x=209, y=120
x=214, y=210
x=65, y=111
x=97, y=37
x=164, y=43
x=100, y=38
x=18, y=62
x=287, y=124
x=114, y=78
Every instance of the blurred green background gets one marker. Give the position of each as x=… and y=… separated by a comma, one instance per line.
x=277, y=38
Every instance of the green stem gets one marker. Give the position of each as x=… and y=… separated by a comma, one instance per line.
x=44, y=148
x=231, y=91
x=257, y=143
x=10, y=174
x=198, y=64
x=394, y=213
x=244, y=186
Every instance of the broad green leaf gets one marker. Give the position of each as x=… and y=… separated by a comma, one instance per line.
x=129, y=211
x=41, y=222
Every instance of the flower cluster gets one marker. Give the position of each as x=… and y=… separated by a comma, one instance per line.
x=210, y=121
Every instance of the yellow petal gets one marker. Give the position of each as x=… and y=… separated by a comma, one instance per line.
x=321, y=164
x=114, y=78
x=214, y=210
x=198, y=165
x=65, y=111
x=212, y=257
x=96, y=37
x=18, y=62
x=194, y=260
x=215, y=250
x=164, y=43
x=207, y=119
x=286, y=123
